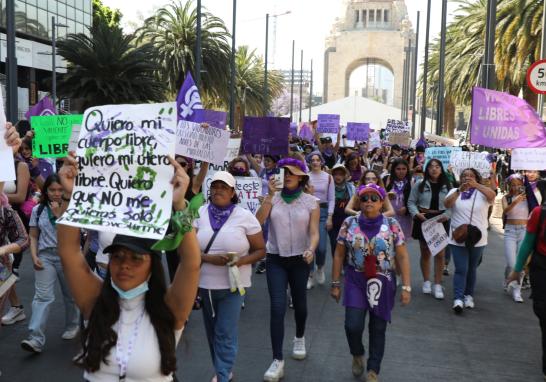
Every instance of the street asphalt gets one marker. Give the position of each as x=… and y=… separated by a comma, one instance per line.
x=497, y=341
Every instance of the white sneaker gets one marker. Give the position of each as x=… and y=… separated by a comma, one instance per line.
x=458, y=306
x=469, y=302
x=427, y=287
x=320, y=276
x=13, y=315
x=70, y=334
x=310, y=282
x=275, y=371
x=298, y=352
x=516, y=291
x=438, y=292
x=31, y=345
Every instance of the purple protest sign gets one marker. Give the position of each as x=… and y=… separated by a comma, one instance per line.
x=188, y=100
x=357, y=131
x=293, y=129
x=501, y=120
x=306, y=132
x=214, y=118
x=44, y=107
x=265, y=135
x=328, y=123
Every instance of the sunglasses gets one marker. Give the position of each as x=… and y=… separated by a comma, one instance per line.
x=119, y=257
x=373, y=197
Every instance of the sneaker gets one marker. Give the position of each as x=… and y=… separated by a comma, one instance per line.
x=358, y=366
x=70, y=334
x=275, y=371
x=215, y=378
x=458, y=306
x=298, y=352
x=14, y=314
x=427, y=287
x=438, y=292
x=469, y=302
x=260, y=267
x=516, y=291
x=32, y=346
x=446, y=271
x=320, y=276
x=372, y=376
x=310, y=282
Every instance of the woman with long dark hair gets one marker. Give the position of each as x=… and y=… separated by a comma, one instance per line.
x=135, y=320
x=353, y=164
x=48, y=268
x=426, y=201
x=398, y=186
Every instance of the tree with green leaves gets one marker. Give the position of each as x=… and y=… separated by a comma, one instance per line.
x=103, y=13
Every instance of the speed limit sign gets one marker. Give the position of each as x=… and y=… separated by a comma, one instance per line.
x=536, y=77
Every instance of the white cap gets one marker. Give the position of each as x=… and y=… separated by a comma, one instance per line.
x=225, y=177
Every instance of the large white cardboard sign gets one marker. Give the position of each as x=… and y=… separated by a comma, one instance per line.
x=435, y=235
x=208, y=144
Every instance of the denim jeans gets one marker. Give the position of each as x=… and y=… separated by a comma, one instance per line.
x=513, y=237
x=466, y=261
x=355, y=319
x=221, y=311
x=44, y=296
x=320, y=252
x=281, y=272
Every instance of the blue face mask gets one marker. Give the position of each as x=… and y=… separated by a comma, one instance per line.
x=131, y=293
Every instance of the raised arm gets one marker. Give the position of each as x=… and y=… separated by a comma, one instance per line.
x=200, y=178
x=23, y=181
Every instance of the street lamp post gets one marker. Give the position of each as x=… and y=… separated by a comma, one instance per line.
x=414, y=78
x=425, y=74
x=441, y=73
x=232, y=64
x=301, y=84
x=266, y=90
x=11, y=62
x=54, y=26
x=311, y=91
x=292, y=81
x=488, y=72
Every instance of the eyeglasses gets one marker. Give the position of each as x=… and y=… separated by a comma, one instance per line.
x=366, y=198
x=135, y=259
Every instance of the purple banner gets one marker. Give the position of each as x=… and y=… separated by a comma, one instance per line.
x=214, y=118
x=328, y=123
x=44, y=107
x=501, y=120
x=306, y=132
x=358, y=131
x=188, y=100
x=265, y=135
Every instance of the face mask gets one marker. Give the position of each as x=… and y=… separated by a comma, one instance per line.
x=131, y=293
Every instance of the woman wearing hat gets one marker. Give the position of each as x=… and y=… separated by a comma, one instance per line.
x=134, y=320
x=293, y=238
x=368, y=244
x=231, y=241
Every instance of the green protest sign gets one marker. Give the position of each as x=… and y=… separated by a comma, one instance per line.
x=52, y=134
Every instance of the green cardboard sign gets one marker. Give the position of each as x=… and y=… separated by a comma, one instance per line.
x=52, y=134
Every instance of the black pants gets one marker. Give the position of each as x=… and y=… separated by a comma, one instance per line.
x=537, y=275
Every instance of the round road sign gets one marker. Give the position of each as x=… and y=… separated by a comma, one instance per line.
x=536, y=77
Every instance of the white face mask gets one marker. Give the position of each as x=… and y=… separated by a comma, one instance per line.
x=131, y=293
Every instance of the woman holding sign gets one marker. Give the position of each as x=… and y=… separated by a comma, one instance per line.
x=426, y=201
x=293, y=238
x=469, y=206
x=135, y=320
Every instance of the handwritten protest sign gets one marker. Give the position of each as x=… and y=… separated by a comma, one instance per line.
x=265, y=135
x=123, y=185
x=328, y=123
x=233, y=147
x=374, y=140
x=402, y=139
x=435, y=235
x=461, y=160
x=6, y=153
x=358, y=131
x=248, y=190
x=74, y=136
x=529, y=159
x=443, y=154
x=52, y=134
x=208, y=144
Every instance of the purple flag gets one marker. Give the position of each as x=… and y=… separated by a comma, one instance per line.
x=214, y=118
x=188, y=100
x=328, y=123
x=293, y=128
x=306, y=132
x=422, y=142
x=357, y=131
x=501, y=120
x=265, y=135
x=44, y=107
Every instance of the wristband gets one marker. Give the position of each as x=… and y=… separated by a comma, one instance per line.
x=336, y=284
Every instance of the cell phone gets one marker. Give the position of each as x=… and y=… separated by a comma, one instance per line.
x=279, y=178
x=521, y=189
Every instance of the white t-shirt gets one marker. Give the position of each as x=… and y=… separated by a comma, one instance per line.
x=232, y=237
x=144, y=364
x=461, y=215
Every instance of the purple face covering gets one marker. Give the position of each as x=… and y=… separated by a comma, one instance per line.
x=219, y=215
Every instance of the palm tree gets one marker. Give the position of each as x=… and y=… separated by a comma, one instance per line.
x=172, y=32
x=108, y=68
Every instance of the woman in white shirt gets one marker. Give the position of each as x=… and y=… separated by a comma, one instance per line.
x=231, y=240
x=293, y=239
x=469, y=205
x=135, y=320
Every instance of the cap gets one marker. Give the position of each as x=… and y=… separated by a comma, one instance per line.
x=224, y=176
x=341, y=167
x=372, y=188
x=135, y=244
x=326, y=140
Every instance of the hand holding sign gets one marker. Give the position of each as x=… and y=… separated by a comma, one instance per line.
x=180, y=182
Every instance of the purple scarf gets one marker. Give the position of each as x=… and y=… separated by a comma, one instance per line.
x=328, y=151
x=465, y=195
x=219, y=215
x=370, y=227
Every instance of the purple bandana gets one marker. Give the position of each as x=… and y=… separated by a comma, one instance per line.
x=465, y=195
x=370, y=227
x=219, y=215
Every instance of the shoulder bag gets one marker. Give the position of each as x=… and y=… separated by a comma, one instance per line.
x=468, y=234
